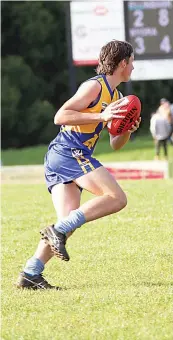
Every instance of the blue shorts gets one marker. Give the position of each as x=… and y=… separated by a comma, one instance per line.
x=67, y=164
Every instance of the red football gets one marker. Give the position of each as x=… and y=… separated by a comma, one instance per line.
x=133, y=106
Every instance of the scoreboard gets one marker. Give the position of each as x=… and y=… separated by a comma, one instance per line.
x=149, y=28
x=147, y=25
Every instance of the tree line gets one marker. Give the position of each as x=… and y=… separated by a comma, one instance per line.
x=35, y=74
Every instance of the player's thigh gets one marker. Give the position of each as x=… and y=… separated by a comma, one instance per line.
x=65, y=197
x=100, y=182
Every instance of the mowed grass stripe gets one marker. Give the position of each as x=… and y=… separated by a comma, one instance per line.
x=118, y=283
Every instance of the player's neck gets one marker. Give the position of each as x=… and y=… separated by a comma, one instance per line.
x=113, y=80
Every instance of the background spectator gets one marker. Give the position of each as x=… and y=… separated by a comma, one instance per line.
x=160, y=128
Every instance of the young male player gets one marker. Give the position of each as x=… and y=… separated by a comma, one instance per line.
x=69, y=165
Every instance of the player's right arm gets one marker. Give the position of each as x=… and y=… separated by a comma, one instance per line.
x=71, y=112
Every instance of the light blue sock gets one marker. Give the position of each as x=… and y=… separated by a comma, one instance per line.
x=75, y=219
x=34, y=266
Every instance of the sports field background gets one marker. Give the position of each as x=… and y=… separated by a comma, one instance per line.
x=118, y=284
x=141, y=148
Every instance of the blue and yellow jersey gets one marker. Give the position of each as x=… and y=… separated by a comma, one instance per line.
x=85, y=137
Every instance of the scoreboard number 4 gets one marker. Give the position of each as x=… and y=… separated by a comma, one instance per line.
x=165, y=44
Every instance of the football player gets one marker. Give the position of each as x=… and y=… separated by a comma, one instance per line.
x=70, y=165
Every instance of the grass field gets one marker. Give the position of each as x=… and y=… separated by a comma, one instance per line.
x=141, y=148
x=118, y=284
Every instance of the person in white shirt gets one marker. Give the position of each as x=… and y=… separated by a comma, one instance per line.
x=160, y=128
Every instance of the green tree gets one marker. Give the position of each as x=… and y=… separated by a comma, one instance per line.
x=34, y=70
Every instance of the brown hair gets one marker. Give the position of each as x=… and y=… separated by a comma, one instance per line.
x=111, y=54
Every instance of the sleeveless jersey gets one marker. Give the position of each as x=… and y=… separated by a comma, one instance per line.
x=85, y=137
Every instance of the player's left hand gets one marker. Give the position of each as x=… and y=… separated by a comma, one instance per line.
x=135, y=126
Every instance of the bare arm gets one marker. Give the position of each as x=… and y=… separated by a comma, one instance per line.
x=71, y=112
x=117, y=142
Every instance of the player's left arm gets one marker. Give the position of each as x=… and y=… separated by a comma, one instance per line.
x=117, y=142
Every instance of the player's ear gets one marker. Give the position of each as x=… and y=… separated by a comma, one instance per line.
x=123, y=63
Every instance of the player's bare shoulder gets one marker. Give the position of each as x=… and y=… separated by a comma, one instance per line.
x=90, y=87
x=85, y=95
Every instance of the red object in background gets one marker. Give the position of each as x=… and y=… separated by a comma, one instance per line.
x=133, y=106
x=100, y=10
x=135, y=173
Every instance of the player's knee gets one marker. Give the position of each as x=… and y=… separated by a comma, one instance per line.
x=120, y=201
x=123, y=200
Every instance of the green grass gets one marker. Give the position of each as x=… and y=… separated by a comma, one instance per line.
x=118, y=282
x=141, y=148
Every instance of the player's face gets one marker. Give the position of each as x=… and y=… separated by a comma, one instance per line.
x=127, y=68
x=166, y=105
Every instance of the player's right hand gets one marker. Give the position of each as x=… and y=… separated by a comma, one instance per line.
x=113, y=110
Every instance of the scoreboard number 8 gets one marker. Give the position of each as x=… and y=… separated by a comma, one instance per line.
x=163, y=19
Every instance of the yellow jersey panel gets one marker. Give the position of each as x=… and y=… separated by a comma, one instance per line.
x=88, y=134
x=104, y=99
